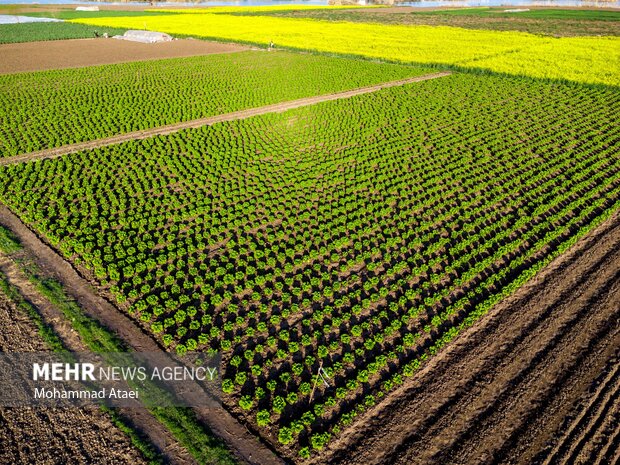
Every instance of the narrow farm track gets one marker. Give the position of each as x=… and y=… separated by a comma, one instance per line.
x=501, y=392
x=242, y=443
x=236, y=115
x=140, y=419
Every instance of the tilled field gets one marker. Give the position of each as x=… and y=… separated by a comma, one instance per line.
x=77, y=53
x=53, y=436
x=535, y=382
x=591, y=434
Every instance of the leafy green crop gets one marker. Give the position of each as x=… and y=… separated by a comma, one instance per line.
x=54, y=108
x=355, y=236
x=31, y=32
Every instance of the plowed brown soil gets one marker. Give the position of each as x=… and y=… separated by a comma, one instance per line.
x=77, y=53
x=139, y=419
x=520, y=387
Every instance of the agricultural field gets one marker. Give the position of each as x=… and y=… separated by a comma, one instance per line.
x=86, y=434
x=578, y=59
x=399, y=229
x=30, y=32
x=358, y=236
x=551, y=22
x=89, y=105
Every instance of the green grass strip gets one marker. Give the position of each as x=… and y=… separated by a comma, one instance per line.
x=9, y=243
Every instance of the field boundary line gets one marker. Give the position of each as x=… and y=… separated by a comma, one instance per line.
x=211, y=120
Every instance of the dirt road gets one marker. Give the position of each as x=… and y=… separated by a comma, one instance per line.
x=521, y=386
x=168, y=129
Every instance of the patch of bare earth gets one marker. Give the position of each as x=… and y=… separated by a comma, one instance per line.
x=53, y=436
x=78, y=53
x=535, y=381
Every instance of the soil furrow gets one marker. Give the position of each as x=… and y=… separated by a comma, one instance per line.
x=597, y=409
x=611, y=451
x=531, y=358
x=495, y=436
x=599, y=433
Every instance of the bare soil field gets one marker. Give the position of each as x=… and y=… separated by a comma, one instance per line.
x=59, y=54
x=140, y=419
x=81, y=435
x=536, y=381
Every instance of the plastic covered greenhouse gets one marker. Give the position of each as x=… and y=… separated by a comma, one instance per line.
x=147, y=37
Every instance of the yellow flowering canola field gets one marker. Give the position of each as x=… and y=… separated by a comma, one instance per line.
x=579, y=59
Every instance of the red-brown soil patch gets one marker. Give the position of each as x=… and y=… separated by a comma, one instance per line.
x=77, y=53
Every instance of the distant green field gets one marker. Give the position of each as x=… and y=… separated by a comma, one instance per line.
x=31, y=32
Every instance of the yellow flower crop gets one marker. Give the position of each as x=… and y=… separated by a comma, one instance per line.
x=580, y=59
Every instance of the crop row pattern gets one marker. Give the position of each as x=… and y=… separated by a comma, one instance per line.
x=354, y=236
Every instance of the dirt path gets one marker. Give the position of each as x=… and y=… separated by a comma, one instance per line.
x=501, y=392
x=78, y=53
x=244, y=444
x=140, y=419
x=168, y=129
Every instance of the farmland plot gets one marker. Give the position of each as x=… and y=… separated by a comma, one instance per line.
x=87, y=435
x=329, y=251
x=590, y=59
x=54, y=108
